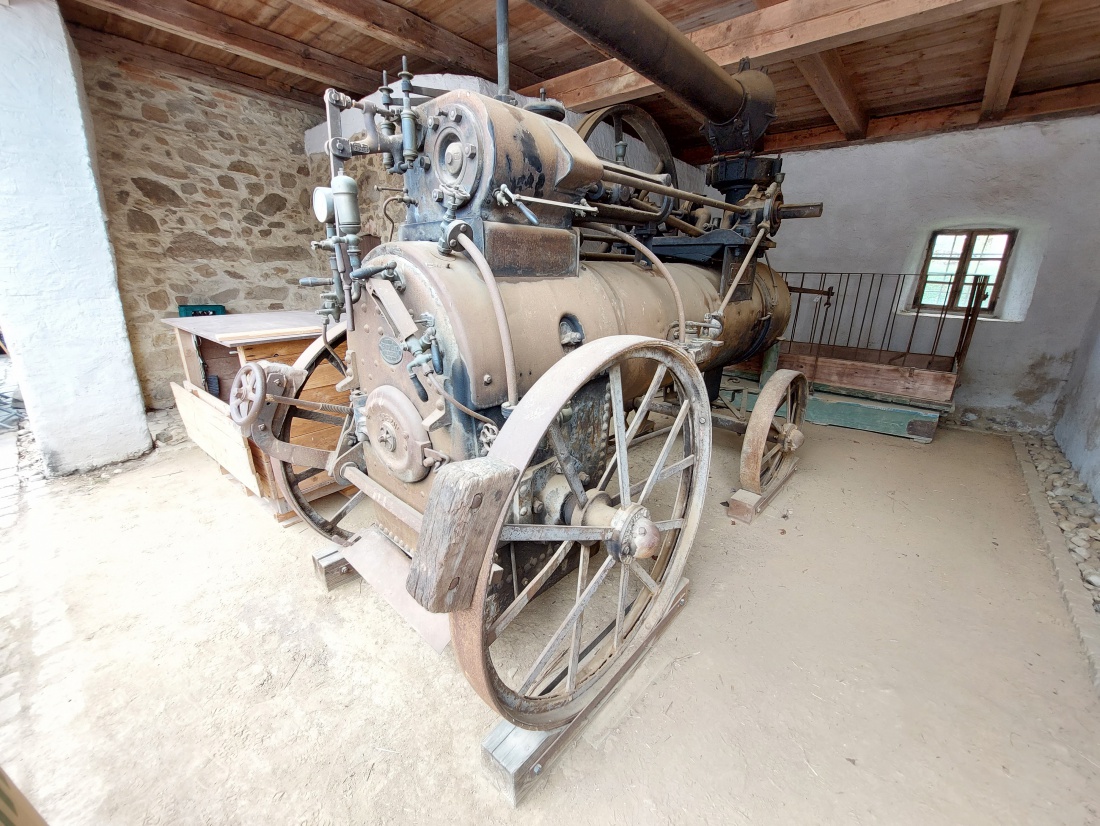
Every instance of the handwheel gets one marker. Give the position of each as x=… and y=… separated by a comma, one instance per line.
x=321, y=430
x=772, y=438
x=247, y=394
x=586, y=558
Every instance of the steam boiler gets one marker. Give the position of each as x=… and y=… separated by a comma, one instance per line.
x=521, y=386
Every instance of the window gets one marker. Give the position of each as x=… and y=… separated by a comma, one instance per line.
x=956, y=261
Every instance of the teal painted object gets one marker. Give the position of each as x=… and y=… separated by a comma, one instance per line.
x=859, y=414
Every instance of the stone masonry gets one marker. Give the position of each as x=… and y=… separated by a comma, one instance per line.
x=207, y=193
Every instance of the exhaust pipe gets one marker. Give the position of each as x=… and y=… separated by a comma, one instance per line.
x=636, y=33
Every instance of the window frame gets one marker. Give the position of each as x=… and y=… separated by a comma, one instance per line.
x=959, y=279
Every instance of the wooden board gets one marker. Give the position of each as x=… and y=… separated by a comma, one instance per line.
x=463, y=509
x=208, y=425
x=251, y=328
x=910, y=382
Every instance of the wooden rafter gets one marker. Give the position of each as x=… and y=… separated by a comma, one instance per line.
x=1013, y=33
x=125, y=51
x=785, y=31
x=1073, y=100
x=828, y=78
x=213, y=28
x=404, y=30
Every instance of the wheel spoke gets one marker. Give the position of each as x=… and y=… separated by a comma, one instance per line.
x=770, y=453
x=554, y=533
x=329, y=524
x=642, y=576
x=619, y=416
x=308, y=473
x=658, y=467
x=639, y=417
x=547, y=654
x=620, y=608
x=568, y=464
x=523, y=598
x=575, y=645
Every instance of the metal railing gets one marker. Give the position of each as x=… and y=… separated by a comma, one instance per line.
x=869, y=317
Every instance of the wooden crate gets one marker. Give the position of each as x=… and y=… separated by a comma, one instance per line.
x=227, y=342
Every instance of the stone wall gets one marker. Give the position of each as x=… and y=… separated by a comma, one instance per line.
x=207, y=195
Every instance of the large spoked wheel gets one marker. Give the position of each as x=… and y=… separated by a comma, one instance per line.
x=300, y=486
x=774, y=431
x=625, y=120
x=587, y=557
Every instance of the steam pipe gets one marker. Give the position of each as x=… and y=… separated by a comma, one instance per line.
x=637, y=34
x=504, y=91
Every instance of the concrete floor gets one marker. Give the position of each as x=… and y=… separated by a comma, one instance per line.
x=892, y=650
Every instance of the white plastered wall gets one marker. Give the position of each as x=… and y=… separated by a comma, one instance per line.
x=59, y=303
x=883, y=200
x=1078, y=431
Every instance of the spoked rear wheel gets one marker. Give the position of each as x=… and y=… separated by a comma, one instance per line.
x=588, y=555
x=301, y=486
x=774, y=431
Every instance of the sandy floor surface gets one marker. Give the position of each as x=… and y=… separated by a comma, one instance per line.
x=886, y=645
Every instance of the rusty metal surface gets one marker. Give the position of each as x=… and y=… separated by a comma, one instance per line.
x=518, y=446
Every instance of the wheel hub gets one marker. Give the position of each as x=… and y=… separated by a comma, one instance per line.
x=634, y=534
x=792, y=437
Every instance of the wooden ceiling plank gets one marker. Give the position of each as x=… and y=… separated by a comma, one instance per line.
x=204, y=25
x=785, y=31
x=828, y=78
x=404, y=30
x=1074, y=100
x=1013, y=33
x=123, y=50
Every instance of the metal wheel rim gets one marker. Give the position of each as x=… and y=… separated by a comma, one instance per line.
x=247, y=394
x=471, y=637
x=638, y=119
x=762, y=457
x=289, y=483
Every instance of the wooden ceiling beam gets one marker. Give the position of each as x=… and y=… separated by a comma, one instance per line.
x=124, y=51
x=1013, y=33
x=1073, y=100
x=829, y=79
x=202, y=24
x=404, y=30
x=785, y=31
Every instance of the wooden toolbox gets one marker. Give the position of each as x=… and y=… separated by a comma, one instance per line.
x=212, y=349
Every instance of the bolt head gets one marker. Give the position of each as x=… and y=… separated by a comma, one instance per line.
x=471, y=151
x=437, y=194
x=487, y=379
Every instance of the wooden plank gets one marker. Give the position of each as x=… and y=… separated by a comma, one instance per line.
x=744, y=505
x=404, y=30
x=189, y=356
x=1074, y=100
x=202, y=24
x=463, y=509
x=771, y=35
x=218, y=437
x=333, y=568
x=253, y=328
x=911, y=382
x=829, y=79
x=89, y=41
x=284, y=352
x=875, y=417
x=1013, y=33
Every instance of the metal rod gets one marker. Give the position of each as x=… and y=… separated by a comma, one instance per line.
x=740, y=272
x=382, y=497
x=612, y=173
x=503, y=81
